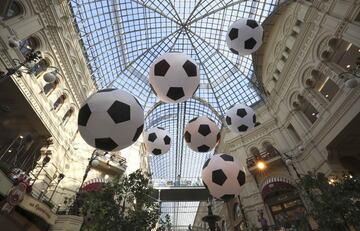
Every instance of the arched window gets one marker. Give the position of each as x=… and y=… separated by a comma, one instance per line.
x=48, y=88
x=40, y=67
x=13, y=10
x=59, y=102
x=308, y=109
x=67, y=116
x=28, y=45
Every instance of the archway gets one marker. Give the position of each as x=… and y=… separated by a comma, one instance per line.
x=283, y=200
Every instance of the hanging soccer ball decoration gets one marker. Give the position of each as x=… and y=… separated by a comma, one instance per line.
x=244, y=36
x=240, y=118
x=201, y=134
x=111, y=120
x=223, y=176
x=157, y=141
x=174, y=77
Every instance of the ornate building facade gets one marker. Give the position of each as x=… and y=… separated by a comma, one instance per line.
x=39, y=114
x=310, y=114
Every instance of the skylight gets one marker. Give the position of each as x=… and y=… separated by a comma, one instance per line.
x=122, y=38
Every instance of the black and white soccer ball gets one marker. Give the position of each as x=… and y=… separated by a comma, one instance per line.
x=157, y=140
x=244, y=36
x=223, y=176
x=240, y=118
x=201, y=134
x=174, y=77
x=111, y=119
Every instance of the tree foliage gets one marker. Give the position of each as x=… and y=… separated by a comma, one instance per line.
x=123, y=204
x=335, y=204
x=165, y=225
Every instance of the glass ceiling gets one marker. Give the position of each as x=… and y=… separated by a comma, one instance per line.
x=121, y=39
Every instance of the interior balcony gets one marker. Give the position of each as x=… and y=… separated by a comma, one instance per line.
x=263, y=159
x=115, y=165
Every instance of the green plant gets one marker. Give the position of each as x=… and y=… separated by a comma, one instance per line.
x=124, y=204
x=335, y=203
x=165, y=225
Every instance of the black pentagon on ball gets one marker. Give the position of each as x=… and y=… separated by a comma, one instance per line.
x=106, y=90
x=167, y=140
x=152, y=137
x=218, y=177
x=119, y=112
x=252, y=23
x=84, y=115
x=234, y=51
x=234, y=33
x=156, y=151
x=250, y=43
x=241, y=112
x=187, y=136
x=203, y=148
x=175, y=93
x=243, y=128
x=227, y=197
x=241, y=178
x=206, y=163
x=106, y=144
x=190, y=68
x=152, y=88
x=204, y=129
x=254, y=118
x=161, y=68
x=138, y=132
x=228, y=120
x=161, y=128
x=226, y=157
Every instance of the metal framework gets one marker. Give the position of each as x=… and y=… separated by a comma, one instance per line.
x=122, y=38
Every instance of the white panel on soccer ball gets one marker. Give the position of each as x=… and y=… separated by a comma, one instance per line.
x=111, y=120
x=223, y=176
x=157, y=140
x=244, y=36
x=201, y=134
x=240, y=118
x=174, y=77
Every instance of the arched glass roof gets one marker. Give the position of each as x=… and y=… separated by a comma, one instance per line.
x=121, y=38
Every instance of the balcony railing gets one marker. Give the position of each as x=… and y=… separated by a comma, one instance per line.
x=264, y=156
x=181, y=182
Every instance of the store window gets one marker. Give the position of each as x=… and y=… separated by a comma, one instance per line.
x=67, y=116
x=50, y=87
x=59, y=102
x=13, y=9
x=40, y=67
x=284, y=203
x=27, y=46
x=346, y=55
x=327, y=88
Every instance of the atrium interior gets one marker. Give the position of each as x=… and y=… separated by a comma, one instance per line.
x=148, y=115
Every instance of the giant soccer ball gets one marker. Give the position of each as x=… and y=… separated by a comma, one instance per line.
x=244, y=36
x=223, y=176
x=174, y=77
x=157, y=140
x=240, y=118
x=201, y=134
x=111, y=120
